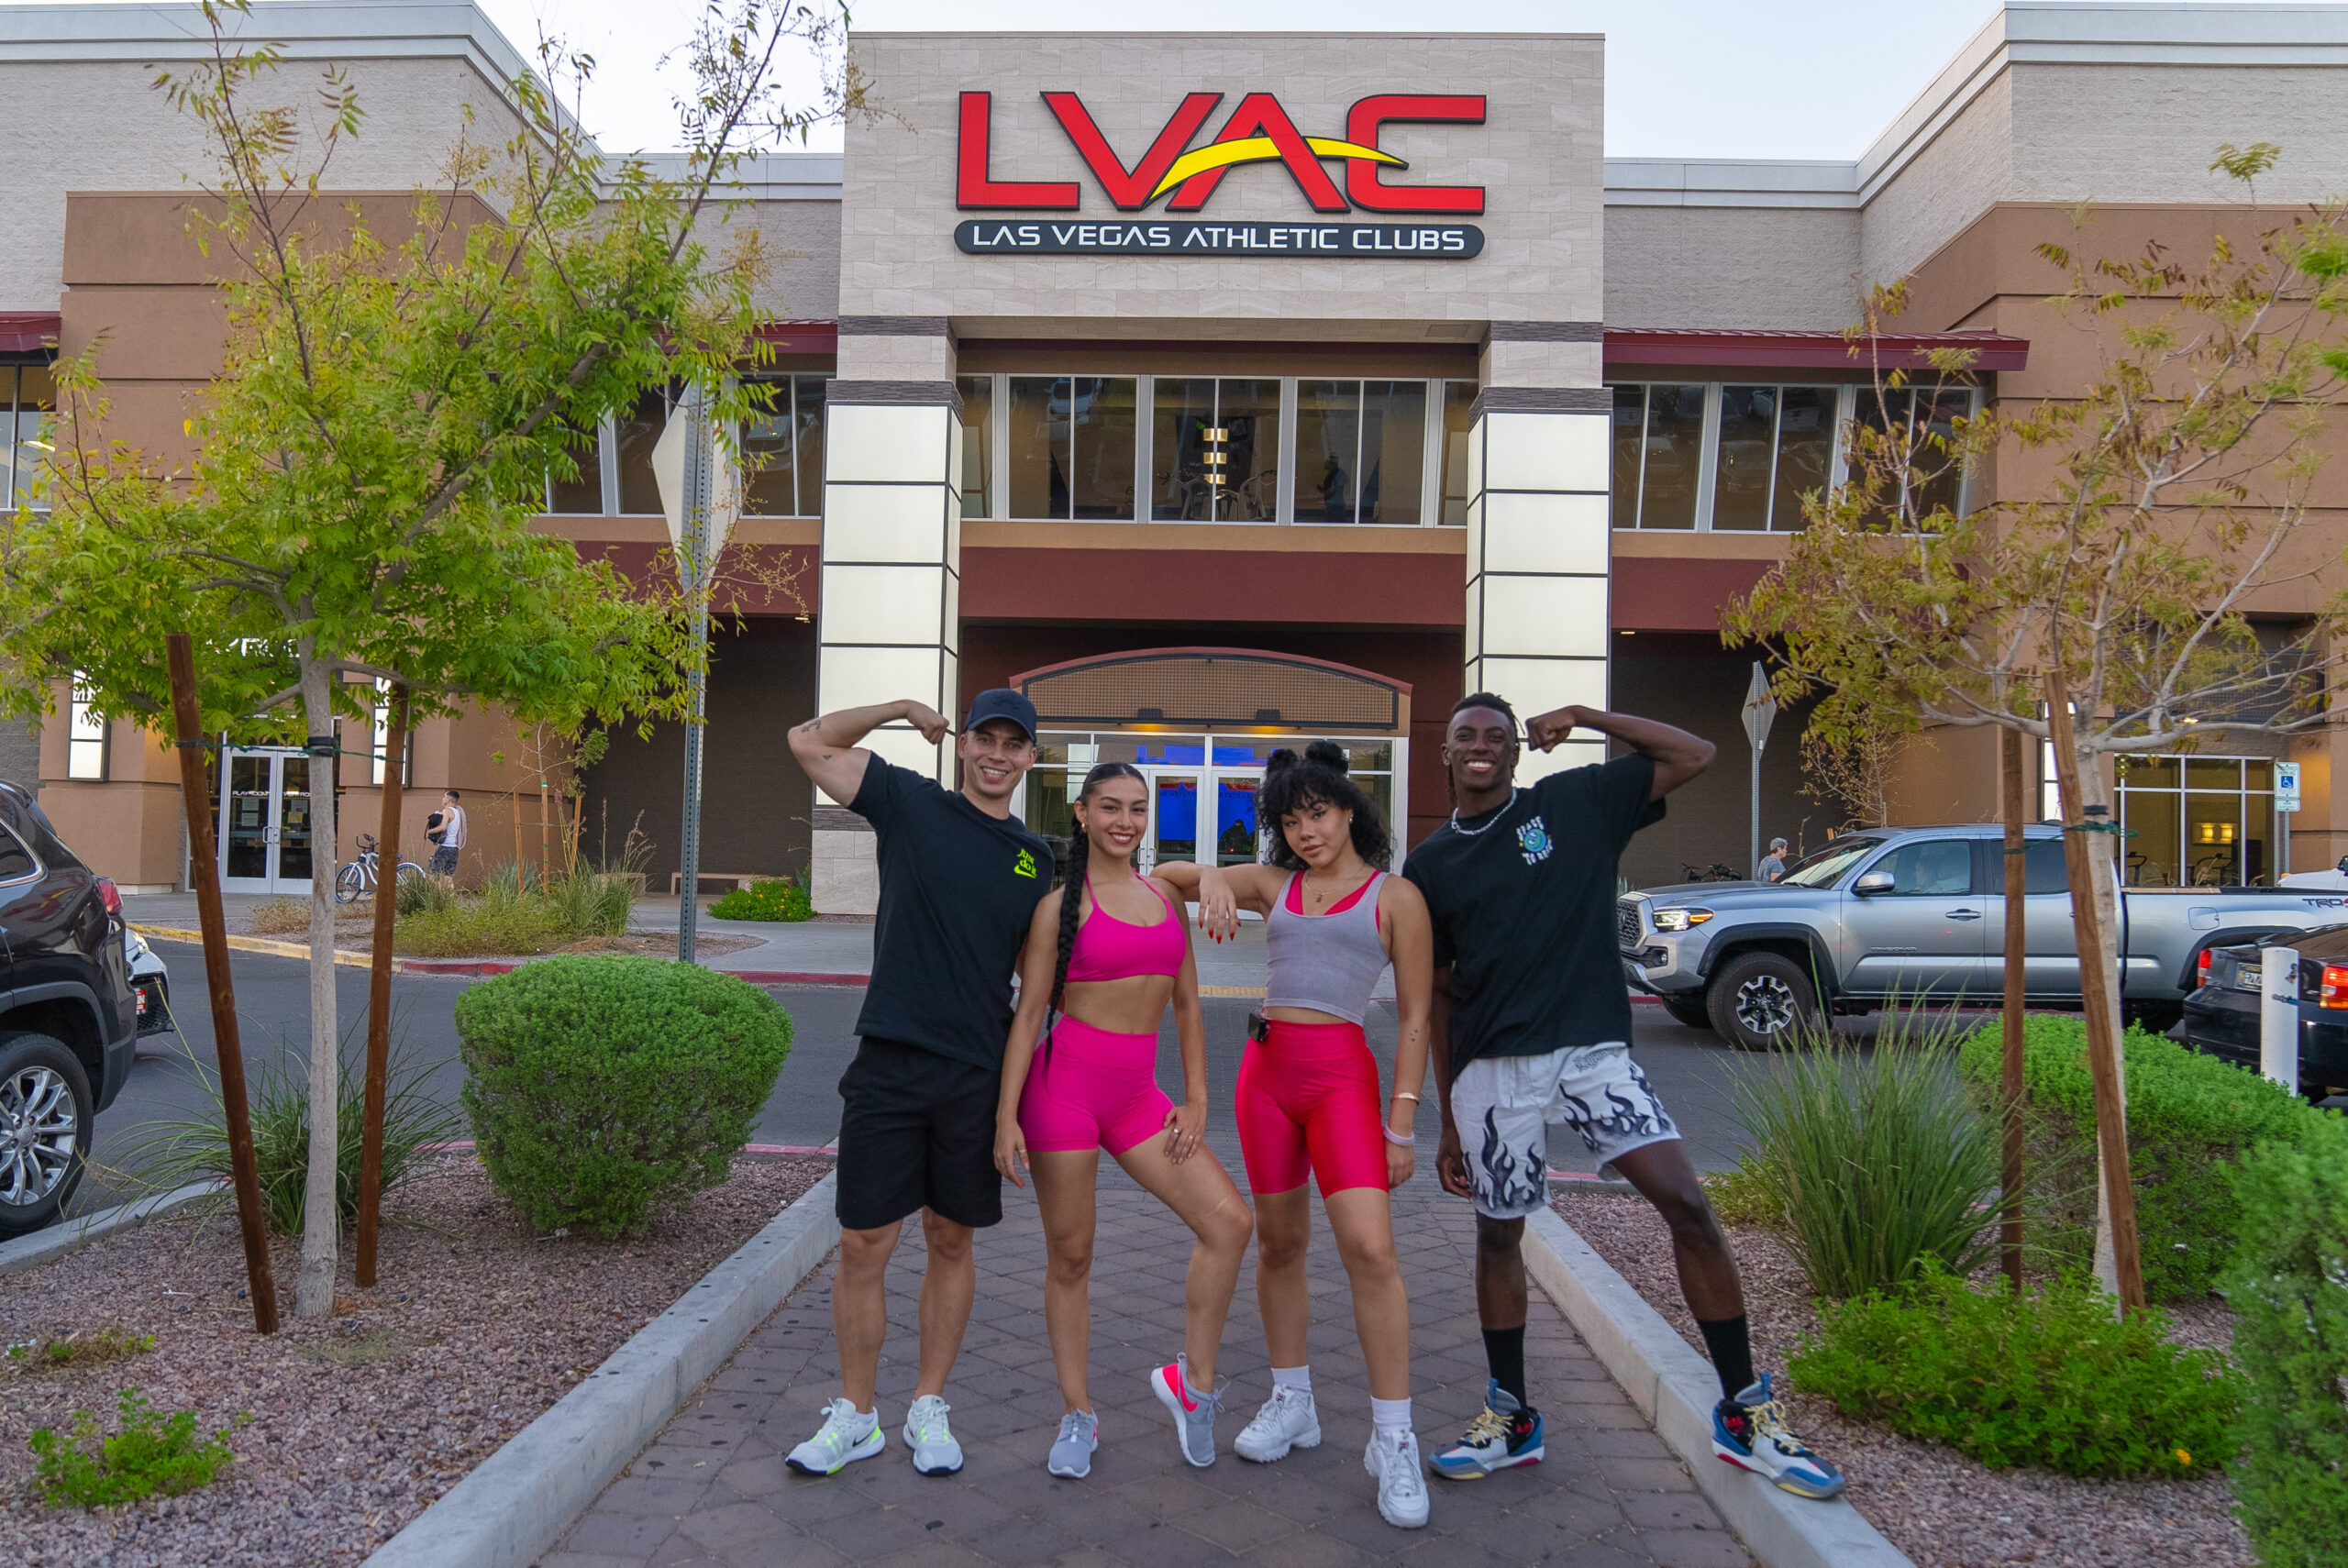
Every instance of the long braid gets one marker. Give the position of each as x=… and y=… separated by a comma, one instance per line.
x=1079, y=852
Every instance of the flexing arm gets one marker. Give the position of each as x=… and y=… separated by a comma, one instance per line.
x=1038, y=960
x=1186, y=1124
x=1679, y=756
x=826, y=747
x=1409, y=943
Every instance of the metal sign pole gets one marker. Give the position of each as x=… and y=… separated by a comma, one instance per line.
x=694, y=566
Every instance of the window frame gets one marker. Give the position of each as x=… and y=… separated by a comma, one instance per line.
x=78, y=718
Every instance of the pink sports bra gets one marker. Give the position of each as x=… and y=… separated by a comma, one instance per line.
x=1108, y=948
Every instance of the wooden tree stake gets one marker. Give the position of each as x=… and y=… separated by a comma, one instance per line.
x=2013, y=758
x=2079, y=852
x=204, y=870
x=379, y=988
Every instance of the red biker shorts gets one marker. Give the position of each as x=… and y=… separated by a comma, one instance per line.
x=1307, y=1096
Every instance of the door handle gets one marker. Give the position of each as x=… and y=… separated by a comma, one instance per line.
x=1964, y=914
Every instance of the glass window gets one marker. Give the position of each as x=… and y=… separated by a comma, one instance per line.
x=28, y=443
x=1328, y=450
x=808, y=394
x=769, y=488
x=1916, y=414
x=1458, y=397
x=639, y=431
x=1748, y=445
x=1215, y=449
x=978, y=443
x=382, y=741
x=16, y=861
x=1630, y=441
x=1073, y=446
x=1805, y=452
x=85, y=746
x=1394, y=452
x=583, y=494
x=1932, y=867
x=1675, y=449
x=1822, y=866
x=2043, y=869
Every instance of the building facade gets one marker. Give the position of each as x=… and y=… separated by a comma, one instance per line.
x=1225, y=392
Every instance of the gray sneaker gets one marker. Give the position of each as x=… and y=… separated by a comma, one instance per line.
x=1193, y=1412
x=1072, y=1450
x=935, y=1451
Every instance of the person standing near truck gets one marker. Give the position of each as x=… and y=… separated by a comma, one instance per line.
x=1773, y=865
x=1532, y=1025
x=960, y=878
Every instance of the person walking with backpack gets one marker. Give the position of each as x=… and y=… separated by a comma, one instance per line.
x=959, y=878
x=445, y=828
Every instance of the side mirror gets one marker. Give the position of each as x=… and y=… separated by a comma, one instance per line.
x=1873, y=882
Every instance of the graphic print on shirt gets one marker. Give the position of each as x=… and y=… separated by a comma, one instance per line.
x=1533, y=838
x=1024, y=866
x=1499, y=1188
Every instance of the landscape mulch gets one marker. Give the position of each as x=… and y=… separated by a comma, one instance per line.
x=475, y=1326
x=1939, y=1507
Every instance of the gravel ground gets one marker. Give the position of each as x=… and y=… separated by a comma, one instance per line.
x=1939, y=1507
x=359, y=1421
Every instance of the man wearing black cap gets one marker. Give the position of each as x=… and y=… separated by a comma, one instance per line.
x=960, y=879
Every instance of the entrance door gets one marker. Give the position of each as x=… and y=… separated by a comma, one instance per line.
x=1174, y=796
x=265, y=822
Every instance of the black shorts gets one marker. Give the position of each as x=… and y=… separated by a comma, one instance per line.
x=917, y=1132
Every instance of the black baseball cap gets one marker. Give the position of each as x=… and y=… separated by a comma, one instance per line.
x=1001, y=702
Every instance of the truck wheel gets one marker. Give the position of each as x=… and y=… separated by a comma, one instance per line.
x=1762, y=1002
x=1689, y=1010
x=45, y=1119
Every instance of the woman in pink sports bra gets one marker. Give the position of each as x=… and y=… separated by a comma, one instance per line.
x=1308, y=1100
x=1105, y=954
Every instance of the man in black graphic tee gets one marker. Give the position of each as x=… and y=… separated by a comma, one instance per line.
x=1533, y=1027
x=960, y=878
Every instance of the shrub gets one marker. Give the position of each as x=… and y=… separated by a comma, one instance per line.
x=593, y=903
x=196, y=1149
x=2049, y=1378
x=427, y=894
x=2288, y=1283
x=152, y=1453
x=277, y=917
x=1881, y=1164
x=782, y=899
x=601, y=1088
x=1745, y=1194
x=80, y=1347
x=2190, y=1120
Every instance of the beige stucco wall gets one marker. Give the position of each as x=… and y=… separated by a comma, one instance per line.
x=1538, y=154
x=1786, y=268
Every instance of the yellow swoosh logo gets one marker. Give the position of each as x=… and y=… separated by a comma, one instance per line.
x=1256, y=149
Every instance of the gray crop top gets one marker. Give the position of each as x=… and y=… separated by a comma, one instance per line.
x=1330, y=962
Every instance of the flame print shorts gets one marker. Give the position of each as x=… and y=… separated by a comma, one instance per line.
x=1504, y=1106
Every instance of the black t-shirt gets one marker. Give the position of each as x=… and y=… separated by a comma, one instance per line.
x=958, y=888
x=1522, y=900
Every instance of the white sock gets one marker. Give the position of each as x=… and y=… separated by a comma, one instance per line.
x=1390, y=1417
x=1296, y=1378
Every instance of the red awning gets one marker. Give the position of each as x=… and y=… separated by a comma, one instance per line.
x=1807, y=350
x=802, y=337
x=28, y=331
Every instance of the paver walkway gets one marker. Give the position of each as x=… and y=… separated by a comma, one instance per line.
x=714, y=1488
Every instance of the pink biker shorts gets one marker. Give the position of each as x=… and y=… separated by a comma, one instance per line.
x=1308, y=1104
x=1097, y=1090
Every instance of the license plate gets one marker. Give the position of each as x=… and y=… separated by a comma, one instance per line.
x=2247, y=977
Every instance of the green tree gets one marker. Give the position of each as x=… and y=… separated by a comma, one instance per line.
x=2143, y=520
x=377, y=441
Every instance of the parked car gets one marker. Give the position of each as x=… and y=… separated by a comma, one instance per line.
x=2221, y=1016
x=151, y=985
x=1919, y=914
x=69, y=1022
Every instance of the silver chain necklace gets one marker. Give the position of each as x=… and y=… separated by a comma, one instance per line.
x=1498, y=812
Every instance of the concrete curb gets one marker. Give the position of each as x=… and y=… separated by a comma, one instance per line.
x=1674, y=1387
x=71, y=1235
x=342, y=956
x=517, y=1503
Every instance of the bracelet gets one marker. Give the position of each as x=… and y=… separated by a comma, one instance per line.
x=1411, y=1098
x=1404, y=1140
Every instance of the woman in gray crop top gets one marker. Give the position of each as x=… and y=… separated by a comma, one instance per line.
x=1309, y=1103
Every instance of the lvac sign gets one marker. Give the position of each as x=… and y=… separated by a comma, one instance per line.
x=1184, y=178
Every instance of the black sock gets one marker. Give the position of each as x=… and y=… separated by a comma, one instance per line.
x=1731, y=1352
x=1505, y=1352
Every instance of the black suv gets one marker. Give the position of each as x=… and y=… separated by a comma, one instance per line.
x=68, y=1020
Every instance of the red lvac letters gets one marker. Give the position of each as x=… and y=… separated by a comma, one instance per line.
x=972, y=188
x=1371, y=193
x=1130, y=189
x=1259, y=114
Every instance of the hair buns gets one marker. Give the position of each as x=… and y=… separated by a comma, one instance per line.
x=1329, y=755
x=1281, y=761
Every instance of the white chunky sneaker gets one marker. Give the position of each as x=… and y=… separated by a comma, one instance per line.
x=1401, y=1488
x=927, y=1434
x=845, y=1436
x=1287, y=1420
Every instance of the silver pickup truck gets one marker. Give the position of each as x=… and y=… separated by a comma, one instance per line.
x=1918, y=913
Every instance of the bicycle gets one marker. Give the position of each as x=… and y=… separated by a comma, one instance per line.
x=356, y=878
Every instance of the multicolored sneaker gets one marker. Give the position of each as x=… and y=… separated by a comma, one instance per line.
x=1749, y=1431
x=1287, y=1420
x=1072, y=1451
x=932, y=1439
x=1193, y=1412
x=1505, y=1435
x=847, y=1435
